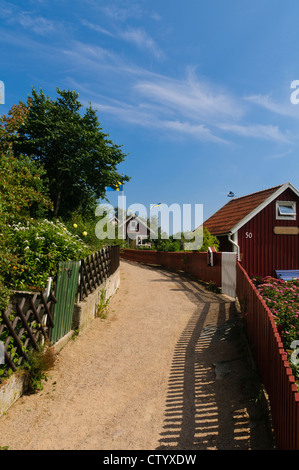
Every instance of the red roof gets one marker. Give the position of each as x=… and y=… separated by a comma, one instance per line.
x=236, y=210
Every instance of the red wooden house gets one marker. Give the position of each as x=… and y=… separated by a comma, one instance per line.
x=137, y=232
x=263, y=228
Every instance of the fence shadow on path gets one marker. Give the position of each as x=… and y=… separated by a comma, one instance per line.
x=210, y=402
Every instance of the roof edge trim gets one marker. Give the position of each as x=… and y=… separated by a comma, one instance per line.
x=263, y=205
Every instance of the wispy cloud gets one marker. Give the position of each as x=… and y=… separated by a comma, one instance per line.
x=280, y=155
x=136, y=36
x=14, y=14
x=38, y=25
x=192, y=98
x=146, y=117
x=197, y=131
x=127, y=10
x=257, y=131
x=89, y=53
x=96, y=27
x=190, y=106
x=140, y=38
x=285, y=108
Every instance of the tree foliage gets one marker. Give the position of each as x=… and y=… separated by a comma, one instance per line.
x=22, y=192
x=79, y=159
x=22, y=189
x=177, y=242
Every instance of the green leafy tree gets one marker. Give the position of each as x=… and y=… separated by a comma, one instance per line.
x=79, y=159
x=209, y=240
x=177, y=242
x=22, y=193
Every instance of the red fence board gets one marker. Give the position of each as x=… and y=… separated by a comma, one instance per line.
x=194, y=263
x=272, y=363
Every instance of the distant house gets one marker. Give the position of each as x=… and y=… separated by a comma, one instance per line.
x=137, y=233
x=263, y=228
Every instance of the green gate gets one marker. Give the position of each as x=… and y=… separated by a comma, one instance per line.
x=66, y=289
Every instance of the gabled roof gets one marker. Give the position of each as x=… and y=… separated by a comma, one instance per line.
x=135, y=217
x=238, y=211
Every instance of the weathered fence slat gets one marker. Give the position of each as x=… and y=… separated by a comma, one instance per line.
x=27, y=327
x=11, y=328
x=36, y=313
x=24, y=322
x=67, y=286
x=96, y=268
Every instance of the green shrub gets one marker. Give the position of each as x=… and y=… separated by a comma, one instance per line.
x=38, y=247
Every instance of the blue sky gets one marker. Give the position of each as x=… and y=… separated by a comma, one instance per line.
x=196, y=92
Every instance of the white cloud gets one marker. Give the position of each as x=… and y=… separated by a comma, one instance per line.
x=97, y=28
x=141, y=39
x=280, y=155
x=27, y=19
x=147, y=117
x=129, y=9
x=257, y=131
x=191, y=98
x=197, y=131
x=266, y=102
x=189, y=106
x=135, y=36
x=37, y=24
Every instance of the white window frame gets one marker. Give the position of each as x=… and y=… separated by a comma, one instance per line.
x=286, y=216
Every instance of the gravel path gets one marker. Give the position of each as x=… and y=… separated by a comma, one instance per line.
x=165, y=370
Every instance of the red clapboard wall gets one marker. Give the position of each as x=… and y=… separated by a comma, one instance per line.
x=262, y=250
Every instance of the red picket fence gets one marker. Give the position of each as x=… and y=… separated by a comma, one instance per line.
x=271, y=360
x=194, y=263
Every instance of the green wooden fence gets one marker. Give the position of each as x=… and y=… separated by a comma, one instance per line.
x=66, y=290
x=80, y=278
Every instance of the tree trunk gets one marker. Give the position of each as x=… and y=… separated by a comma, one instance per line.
x=57, y=205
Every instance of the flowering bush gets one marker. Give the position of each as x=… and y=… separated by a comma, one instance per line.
x=282, y=298
x=33, y=251
x=38, y=246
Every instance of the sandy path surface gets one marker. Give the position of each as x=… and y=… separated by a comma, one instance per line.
x=165, y=370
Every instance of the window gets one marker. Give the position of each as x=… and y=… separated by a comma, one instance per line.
x=285, y=210
x=134, y=225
